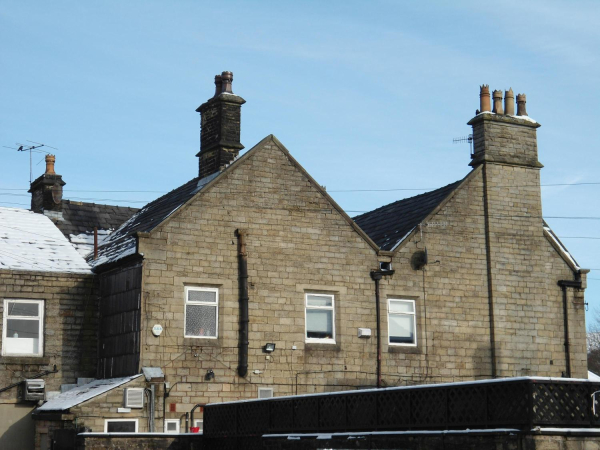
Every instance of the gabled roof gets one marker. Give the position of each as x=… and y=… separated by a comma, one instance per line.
x=80, y=394
x=122, y=242
x=79, y=217
x=30, y=241
x=390, y=224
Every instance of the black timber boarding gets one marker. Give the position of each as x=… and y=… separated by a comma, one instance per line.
x=120, y=320
x=518, y=403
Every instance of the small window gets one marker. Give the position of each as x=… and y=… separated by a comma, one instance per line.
x=172, y=426
x=320, y=318
x=23, y=328
x=121, y=426
x=402, y=322
x=199, y=423
x=201, y=312
x=265, y=392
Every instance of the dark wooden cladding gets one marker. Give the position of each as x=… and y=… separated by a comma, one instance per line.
x=120, y=319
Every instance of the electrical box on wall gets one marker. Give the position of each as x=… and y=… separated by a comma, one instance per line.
x=364, y=332
x=34, y=390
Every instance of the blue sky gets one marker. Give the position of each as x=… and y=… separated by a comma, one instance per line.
x=365, y=94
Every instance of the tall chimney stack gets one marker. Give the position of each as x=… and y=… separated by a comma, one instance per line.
x=220, y=122
x=504, y=138
x=46, y=191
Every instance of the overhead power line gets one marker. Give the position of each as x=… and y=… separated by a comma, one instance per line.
x=333, y=190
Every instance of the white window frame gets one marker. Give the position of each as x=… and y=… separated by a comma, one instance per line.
x=120, y=420
x=200, y=424
x=39, y=318
x=175, y=421
x=215, y=305
x=269, y=389
x=325, y=308
x=414, y=317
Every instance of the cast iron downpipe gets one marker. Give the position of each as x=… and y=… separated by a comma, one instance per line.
x=376, y=276
x=243, y=282
x=564, y=284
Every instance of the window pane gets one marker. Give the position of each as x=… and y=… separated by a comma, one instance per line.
x=23, y=309
x=120, y=427
x=201, y=320
x=317, y=300
x=171, y=426
x=402, y=330
x=400, y=306
x=202, y=296
x=22, y=328
x=319, y=324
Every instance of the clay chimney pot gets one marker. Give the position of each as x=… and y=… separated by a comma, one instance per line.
x=484, y=98
x=227, y=79
x=509, y=102
x=218, y=85
x=521, y=101
x=498, y=102
x=50, y=160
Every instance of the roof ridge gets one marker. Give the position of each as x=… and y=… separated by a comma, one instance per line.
x=410, y=198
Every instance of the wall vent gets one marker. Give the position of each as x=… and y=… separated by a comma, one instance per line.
x=134, y=398
x=265, y=392
x=35, y=390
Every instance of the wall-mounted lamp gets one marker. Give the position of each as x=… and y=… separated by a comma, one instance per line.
x=210, y=375
x=269, y=348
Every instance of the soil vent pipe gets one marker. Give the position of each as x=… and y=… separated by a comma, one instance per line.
x=243, y=286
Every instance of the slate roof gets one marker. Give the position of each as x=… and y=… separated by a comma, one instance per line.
x=80, y=394
x=388, y=225
x=30, y=241
x=79, y=217
x=122, y=242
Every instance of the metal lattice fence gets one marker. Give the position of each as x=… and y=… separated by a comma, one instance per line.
x=520, y=403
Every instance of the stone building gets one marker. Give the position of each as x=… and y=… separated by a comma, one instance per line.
x=48, y=309
x=250, y=281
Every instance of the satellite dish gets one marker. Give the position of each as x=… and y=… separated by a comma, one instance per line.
x=419, y=259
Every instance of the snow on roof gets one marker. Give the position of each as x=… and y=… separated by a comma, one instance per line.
x=84, y=242
x=560, y=246
x=84, y=393
x=30, y=241
x=526, y=118
x=122, y=243
x=593, y=377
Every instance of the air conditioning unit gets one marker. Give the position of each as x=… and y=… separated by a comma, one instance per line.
x=134, y=398
x=34, y=390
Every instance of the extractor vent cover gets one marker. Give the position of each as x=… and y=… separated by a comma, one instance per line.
x=134, y=398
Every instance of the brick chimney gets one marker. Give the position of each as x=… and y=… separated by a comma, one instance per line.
x=46, y=191
x=220, y=127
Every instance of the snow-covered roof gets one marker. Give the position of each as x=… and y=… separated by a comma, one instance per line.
x=30, y=241
x=560, y=247
x=122, y=242
x=84, y=242
x=593, y=377
x=84, y=393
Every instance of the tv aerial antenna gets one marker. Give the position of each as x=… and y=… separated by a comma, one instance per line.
x=31, y=149
x=462, y=139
